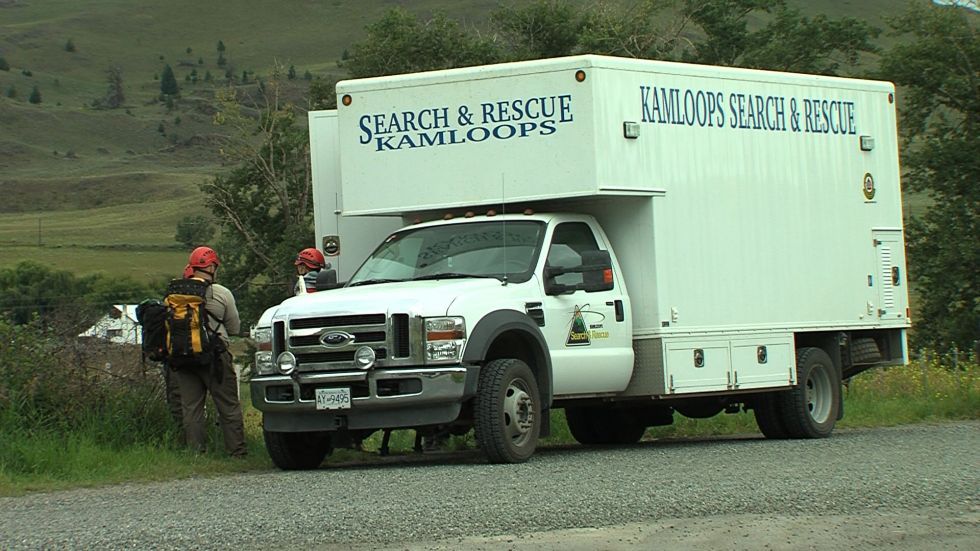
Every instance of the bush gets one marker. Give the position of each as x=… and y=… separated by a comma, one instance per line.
x=62, y=387
x=4, y=66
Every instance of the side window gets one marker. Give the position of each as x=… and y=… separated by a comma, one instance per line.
x=568, y=243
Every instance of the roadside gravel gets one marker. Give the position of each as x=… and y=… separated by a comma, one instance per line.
x=655, y=490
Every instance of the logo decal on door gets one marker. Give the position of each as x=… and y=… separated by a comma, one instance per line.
x=581, y=332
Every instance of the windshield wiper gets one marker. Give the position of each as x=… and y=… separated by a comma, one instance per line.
x=451, y=275
x=373, y=281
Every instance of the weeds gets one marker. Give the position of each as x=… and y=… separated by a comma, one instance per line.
x=77, y=414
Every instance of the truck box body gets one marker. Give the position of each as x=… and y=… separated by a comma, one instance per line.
x=744, y=203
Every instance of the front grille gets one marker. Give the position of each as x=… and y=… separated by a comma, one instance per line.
x=395, y=341
x=400, y=335
x=359, y=338
x=337, y=321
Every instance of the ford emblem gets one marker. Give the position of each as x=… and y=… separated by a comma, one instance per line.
x=335, y=339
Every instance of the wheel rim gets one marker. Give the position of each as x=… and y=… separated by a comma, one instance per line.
x=518, y=412
x=819, y=394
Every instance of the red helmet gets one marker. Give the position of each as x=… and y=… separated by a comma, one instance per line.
x=188, y=271
x=311, y=258
x=202, y=257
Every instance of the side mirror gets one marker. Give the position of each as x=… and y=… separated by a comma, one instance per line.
x=326, y=280
x=596, y=271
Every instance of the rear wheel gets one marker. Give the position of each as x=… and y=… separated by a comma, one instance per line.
x=507, y=411
x=293, y=451
x=810, y=408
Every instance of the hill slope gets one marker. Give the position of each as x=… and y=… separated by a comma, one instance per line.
x=107, y=183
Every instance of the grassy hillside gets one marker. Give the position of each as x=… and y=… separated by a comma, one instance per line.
x=109, y=185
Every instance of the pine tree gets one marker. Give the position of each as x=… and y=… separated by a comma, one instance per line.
x=4, y=66
x=221, y=60
x=168, y=82
x=292, y=72
x=221, y=47
x=35, y=95
x=70, y=46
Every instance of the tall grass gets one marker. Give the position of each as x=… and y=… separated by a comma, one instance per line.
x=68, y=420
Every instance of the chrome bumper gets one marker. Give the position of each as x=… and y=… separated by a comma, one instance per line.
x=439, y=385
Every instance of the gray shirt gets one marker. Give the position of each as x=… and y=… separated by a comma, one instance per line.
x=221, y=306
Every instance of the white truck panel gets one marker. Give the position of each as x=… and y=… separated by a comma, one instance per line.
x=359, y=236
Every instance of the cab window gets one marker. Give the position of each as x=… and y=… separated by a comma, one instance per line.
x=568, y=242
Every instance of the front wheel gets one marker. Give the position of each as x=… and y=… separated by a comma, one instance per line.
x=292, y=451
x=507, y=411
x=810, y=408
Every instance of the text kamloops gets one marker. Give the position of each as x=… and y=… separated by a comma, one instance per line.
x=716, y=109
x=493, y=120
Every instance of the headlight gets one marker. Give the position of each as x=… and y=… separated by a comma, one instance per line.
x=264, y=362
x=444, y=339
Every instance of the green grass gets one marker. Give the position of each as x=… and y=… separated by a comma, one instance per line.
x=922, y=392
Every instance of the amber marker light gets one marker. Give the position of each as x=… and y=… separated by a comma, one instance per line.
x=469, y=214
x=528, y=212
x=491, y=212
x=448, y=216
x=346, y=100
x=580, y=75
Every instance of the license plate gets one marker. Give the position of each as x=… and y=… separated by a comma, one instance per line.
x=333, y=398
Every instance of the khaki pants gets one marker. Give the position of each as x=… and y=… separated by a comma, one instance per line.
x=194, y=384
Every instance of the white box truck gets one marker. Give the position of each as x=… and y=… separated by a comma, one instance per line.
x=623, y=239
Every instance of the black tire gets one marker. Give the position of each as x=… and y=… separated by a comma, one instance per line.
x=769, y=416
x=507, y=411
x=864, y=351
x=592, y=426
x=810, y=408
x=292, y=451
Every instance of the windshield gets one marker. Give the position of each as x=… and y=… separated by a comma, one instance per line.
x=474, y=249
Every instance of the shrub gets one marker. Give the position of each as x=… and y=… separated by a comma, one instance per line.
x=4, y=66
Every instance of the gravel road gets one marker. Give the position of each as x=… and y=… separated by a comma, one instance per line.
x=917, y=487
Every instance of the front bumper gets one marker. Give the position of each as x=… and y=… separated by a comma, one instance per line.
x=382, y=398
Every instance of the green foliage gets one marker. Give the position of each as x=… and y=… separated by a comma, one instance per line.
x=545, y=28
x=168, y=82
x=35, y=97
x=70, y=46
x=401, y=43
x=30, y=290
x=265, y=206
x=193, y=231
x=4, y=66
x=221, y=46
x=291, y=75
x=940, y=110
x=55, y=391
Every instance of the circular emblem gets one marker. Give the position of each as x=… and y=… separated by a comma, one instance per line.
x=869, y=187
x=336, y=339
x=331, y=245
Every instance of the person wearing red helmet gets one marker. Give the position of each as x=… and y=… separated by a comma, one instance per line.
x=308, y=264
x=221, y=380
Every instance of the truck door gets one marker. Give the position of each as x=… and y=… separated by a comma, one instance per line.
x=890, y=277
x=587, y=332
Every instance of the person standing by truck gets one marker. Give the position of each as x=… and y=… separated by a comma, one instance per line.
x=308, y=264
x=219, y=378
